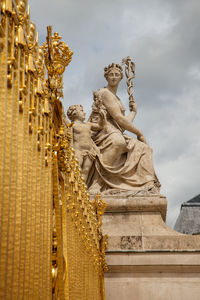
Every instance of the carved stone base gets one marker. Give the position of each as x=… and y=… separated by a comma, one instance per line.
x=137, y=223
x=147, y=259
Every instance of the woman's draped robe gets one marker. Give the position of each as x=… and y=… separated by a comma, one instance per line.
x=133, y=169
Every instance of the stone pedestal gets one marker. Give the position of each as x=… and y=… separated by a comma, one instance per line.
x=146, y=259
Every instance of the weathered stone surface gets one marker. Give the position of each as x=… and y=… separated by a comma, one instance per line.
x=137, y=224
x=146, y=259
x=123, y=202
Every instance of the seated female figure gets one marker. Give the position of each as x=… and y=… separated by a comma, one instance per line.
x=124, y=163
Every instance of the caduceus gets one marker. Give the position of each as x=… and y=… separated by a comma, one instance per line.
x=130, y=74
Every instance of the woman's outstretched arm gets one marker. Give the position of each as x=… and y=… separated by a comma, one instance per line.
x=133, y=111
x=131, y=116
x=109, y=102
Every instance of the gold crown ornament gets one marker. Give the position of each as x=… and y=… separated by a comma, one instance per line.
x=58, y=55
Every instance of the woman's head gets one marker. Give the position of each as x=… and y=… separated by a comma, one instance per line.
x=116, y=68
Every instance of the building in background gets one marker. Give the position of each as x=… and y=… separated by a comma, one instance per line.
x=188, y=221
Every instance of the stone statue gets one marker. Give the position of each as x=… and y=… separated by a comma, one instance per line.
x=123, y=163
x=85, y=149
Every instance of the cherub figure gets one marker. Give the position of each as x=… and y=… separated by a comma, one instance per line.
x=85, y=148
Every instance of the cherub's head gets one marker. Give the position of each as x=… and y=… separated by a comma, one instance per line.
x=76, y=112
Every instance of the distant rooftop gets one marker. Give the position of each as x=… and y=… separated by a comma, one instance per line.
x=196, y=199
x=188, y=221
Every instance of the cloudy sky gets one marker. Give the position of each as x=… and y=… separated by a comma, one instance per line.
x=162, y=37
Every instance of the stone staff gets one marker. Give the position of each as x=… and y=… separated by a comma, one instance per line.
x=130, y=74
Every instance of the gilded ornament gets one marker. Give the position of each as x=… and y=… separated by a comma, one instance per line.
x=22, y=15
x=59, y=51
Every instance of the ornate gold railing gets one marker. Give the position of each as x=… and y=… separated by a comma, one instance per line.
x=25, y=160
x=84, y=248
x=51, y=245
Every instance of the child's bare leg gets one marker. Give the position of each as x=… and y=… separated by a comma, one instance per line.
x=87, y=164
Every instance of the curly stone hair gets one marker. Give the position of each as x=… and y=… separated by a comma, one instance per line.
x=71, y=112
x=113, y=66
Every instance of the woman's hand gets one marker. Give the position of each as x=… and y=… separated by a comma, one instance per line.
x=133, y=106
x=141, y=138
